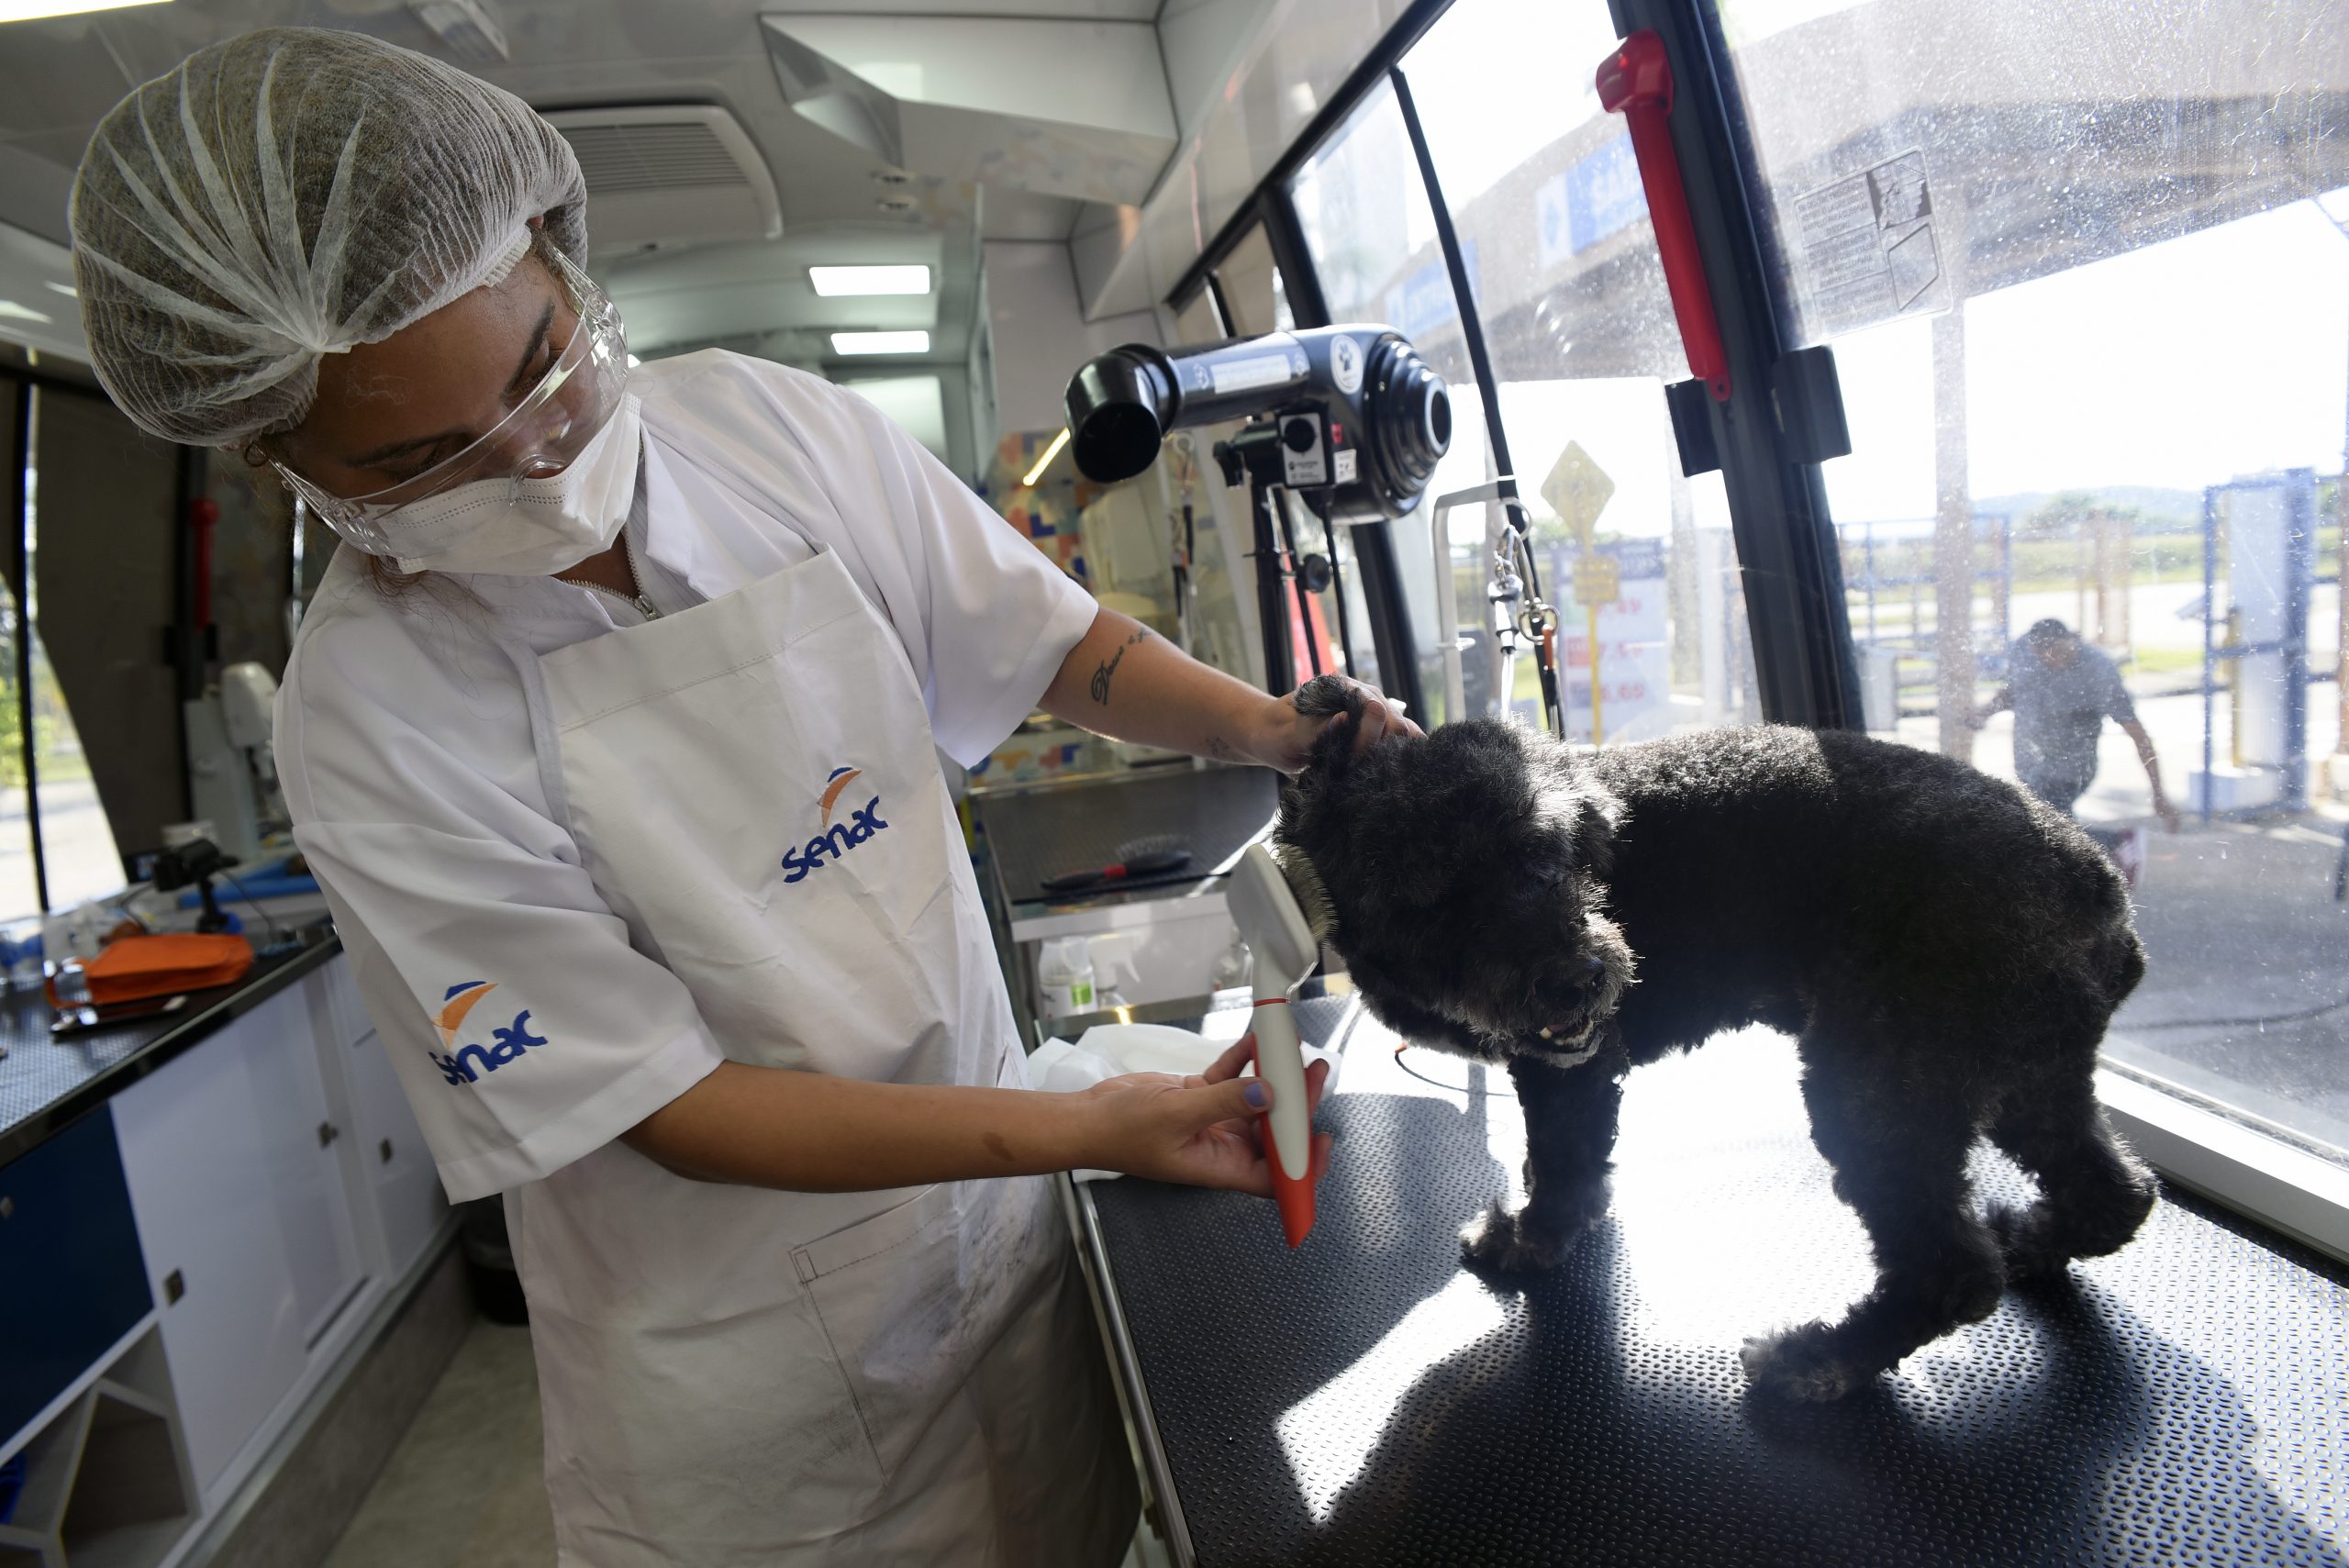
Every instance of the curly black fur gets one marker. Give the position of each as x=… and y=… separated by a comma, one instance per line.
x=1946, y=948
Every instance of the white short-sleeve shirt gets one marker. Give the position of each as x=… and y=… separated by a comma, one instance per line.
x=426, y=792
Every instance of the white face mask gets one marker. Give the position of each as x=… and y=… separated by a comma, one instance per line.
x=527, y=528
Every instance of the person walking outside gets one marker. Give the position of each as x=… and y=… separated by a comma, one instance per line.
x=2061, y=691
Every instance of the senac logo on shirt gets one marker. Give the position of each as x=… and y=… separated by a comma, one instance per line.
x=836, y=839
x=466, y=1065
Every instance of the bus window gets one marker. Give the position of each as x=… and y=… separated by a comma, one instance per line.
x=1366, y=221
x=1553, y=231
x=1251, y=288
x=1196, y=321
x=2089, y=291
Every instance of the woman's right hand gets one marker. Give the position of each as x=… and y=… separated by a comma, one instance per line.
x=1201, y=1130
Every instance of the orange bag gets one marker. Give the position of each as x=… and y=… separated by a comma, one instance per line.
x=134, y=968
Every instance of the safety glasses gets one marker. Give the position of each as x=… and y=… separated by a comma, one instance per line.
x=538, y=439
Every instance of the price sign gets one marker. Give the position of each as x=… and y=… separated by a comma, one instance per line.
x=1598, y=580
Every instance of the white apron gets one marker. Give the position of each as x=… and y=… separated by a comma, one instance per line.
x=734, y=1377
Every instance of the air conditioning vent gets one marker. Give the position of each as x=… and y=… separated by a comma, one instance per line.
x=670, y=175
x=618, y=158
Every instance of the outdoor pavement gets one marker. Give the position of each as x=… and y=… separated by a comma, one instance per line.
x=81, y=861
x=2239, y=922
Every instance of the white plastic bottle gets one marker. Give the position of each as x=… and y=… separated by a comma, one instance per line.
x=23, y=947
x=1066, y=977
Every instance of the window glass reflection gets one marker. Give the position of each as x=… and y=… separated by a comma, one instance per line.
x=1554, y=230
x=2088, y=293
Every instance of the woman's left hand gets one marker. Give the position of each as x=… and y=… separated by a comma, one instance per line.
x=1223, y=1153
x=1291, y=734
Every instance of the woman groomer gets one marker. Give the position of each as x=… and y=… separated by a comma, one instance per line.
x=611, y=742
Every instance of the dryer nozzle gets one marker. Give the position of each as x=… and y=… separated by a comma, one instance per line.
x=1120, y=407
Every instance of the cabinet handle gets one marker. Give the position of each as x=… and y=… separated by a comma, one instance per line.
x=175, y=1287
x=328, y=1133
x=8, y=1205
x=386, y=1147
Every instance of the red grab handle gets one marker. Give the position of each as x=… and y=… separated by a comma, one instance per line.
x=1636, y=83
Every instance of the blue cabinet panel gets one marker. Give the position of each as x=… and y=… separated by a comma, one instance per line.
x=72, y=1278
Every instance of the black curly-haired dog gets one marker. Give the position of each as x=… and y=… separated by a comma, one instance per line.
x=1945, y=950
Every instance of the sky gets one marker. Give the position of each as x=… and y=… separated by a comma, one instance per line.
x=2182, y=364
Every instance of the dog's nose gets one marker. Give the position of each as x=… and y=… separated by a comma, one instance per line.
x=1593, y=971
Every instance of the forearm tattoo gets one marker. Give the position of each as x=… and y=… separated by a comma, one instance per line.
x=1221, y=750
x=1101, y=676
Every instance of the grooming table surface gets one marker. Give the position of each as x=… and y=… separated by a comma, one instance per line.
x=1041, y=833
x=1365, y=1401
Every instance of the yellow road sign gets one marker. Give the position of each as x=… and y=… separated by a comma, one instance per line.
x=1577, y=490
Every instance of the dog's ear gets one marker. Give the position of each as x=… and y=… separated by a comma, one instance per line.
x=1327, y=762
x=1334, y=698
x=1325, y=694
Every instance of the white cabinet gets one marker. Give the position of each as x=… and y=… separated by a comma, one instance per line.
x=410, y=1204
x=391, y=1169
x=299, y=1133
x=280, y=1188
x=197, y=1156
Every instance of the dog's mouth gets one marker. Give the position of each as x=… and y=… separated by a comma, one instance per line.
x=1563, y=1041
x=1567, y=1030
x=1569, y=1044
x=1559, y=1012
x=1572, y=1040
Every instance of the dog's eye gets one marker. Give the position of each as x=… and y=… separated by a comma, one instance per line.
x=1540, y=886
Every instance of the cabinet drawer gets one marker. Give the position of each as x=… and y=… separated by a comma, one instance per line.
x=69, y=1247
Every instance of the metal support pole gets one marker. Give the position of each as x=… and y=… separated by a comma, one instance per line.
x=1953, y=541
x=1338, y=593
x=2210, y=660
x=1868, y=549
x=1271, y=600
x=2300, y=572
x=2005, y=579
x=20, y=457
x=2341, y=590
x=1294, y=563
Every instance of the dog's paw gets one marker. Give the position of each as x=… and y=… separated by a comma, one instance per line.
x=2021, y=1233
x=1506, y=1243
x=1803, y=1365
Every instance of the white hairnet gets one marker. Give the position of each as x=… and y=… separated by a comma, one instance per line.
x=287, y=193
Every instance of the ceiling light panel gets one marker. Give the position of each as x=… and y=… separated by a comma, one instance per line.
x=880, y=343
x=34, y=10
x=835, y=281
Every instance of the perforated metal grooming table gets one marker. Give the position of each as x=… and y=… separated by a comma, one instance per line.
x=1363, y=1401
